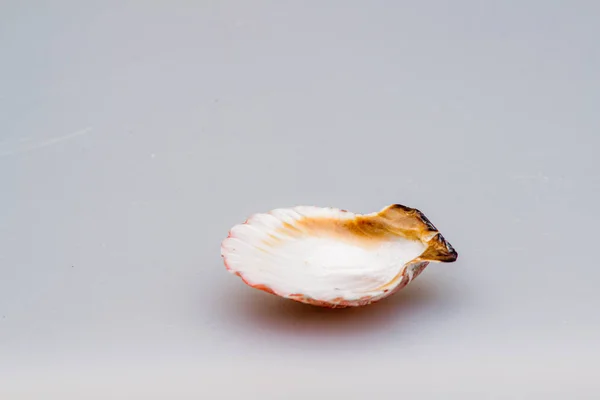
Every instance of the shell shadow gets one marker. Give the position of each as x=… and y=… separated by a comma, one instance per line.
x=251, y=310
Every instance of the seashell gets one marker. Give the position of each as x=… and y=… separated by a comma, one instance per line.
x=334, y=258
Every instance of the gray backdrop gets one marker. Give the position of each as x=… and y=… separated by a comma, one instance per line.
x=134, y=134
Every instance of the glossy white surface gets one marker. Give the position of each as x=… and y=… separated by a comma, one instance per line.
x=319, y=267
x=134, y=134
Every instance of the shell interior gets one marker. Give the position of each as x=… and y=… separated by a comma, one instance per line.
x=329, y=254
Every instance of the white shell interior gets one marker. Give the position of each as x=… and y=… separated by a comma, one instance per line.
x=319, y=267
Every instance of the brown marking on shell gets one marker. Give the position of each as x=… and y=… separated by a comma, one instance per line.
x=438, y=249
x=370, y=230
x=362, y=230
x=369, y=227
x=407, y=222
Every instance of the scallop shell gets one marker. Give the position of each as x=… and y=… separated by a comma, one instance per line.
x=334, y=258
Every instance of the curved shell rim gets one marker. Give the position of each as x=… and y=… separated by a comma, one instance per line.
x=435, y=243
